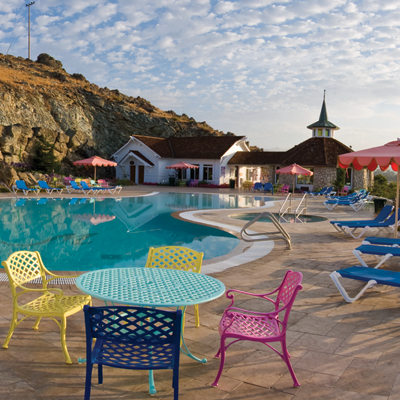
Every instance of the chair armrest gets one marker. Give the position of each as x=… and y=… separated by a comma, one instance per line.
x=263, y=296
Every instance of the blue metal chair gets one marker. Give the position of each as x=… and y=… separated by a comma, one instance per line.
x=269, y=187
x=257, y=186
x=21, y=185
x=44, y=185
x=132, y=338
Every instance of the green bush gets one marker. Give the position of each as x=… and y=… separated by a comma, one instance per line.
x=44, y=160
x=338, y=184
x=382, y=188
x=123, y=182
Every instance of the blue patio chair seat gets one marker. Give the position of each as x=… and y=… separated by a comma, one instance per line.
x=269, y=187
x=21, y=185
x=44, y=185
x=132, y=338
x=365, y=274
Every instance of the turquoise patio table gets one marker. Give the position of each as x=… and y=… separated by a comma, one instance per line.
x=152, y=287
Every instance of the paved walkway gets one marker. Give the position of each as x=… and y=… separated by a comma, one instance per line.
x=339, y=350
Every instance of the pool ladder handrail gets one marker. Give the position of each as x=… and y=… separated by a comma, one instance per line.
x=298, y=211
x=281, y=230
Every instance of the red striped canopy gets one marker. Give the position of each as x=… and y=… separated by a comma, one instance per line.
x=383, y=157
x=96, y=161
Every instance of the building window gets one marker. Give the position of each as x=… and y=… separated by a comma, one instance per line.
x=195, y=172
x=249, y=174
x=319, y=132
x=305, y=180
x=208, y=172
x=327, y=133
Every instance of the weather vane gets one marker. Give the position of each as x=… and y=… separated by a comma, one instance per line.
x=29, y=28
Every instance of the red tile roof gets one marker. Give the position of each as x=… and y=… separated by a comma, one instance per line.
x=208, y=147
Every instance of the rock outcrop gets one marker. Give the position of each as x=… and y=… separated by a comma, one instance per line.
x=78, y=117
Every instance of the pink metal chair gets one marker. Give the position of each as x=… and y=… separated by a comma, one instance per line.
x=344, y=191
x=285, y=189
x=267, y=327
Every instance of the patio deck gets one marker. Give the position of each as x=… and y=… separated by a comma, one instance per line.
x=339, y=350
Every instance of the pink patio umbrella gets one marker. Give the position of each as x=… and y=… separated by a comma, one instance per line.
x=96, y=161
x=182, y=165
x=294, y=169
x=383, y=157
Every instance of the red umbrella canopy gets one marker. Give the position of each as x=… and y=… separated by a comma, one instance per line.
x=182, y=165
x=96, y=161
x=381, y=156
x=294, y=169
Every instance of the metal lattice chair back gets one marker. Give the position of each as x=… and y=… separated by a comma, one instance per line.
x=141, y=325
x=23, y=267
x=132, y=338
x=288, y=291
x=174, y=257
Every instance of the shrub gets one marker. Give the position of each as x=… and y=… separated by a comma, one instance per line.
x=123, y=182
x=247, y=185
x=382, y=188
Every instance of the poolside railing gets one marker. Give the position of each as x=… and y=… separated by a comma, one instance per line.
x=252, y=237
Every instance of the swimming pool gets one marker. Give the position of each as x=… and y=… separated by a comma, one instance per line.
x=86, y=234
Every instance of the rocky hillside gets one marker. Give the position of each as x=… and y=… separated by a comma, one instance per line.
x=81, y=119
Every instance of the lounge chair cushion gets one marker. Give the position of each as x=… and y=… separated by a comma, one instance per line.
x=381, y=241
x=381, y=276
x=378, y=250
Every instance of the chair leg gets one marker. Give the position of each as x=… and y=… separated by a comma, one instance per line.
x=287, y=361
x=14, y=321
x=222, y=362
x=197, y=315
x=36, y=326
x=100, y=373
x=63, y=332
x=175, y=382
x=88, y=383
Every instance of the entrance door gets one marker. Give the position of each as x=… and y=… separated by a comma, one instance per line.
x=133, y=174
x=236, y=175
x=141, y=174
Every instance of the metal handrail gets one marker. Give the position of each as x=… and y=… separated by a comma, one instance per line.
x=278, y=225
x=12, y=192
x=288, y=208
x=298, y=212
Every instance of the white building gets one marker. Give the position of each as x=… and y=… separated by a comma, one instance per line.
x=145, y=158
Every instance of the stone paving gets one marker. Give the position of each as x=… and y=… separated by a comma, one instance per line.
x=339, y=350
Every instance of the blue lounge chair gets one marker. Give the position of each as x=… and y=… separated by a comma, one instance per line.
x=381, y=253
x=269, y=187
x=20, y=202
x=73, y=201
x=356, y=203
x=257, y=186
x=370, y=275
x=96, y=190
x=382, y=216
x=21, y=185
x=389, y=224
x=382, y=241
x=47, y=188
x=320, y=193
x=76, y=188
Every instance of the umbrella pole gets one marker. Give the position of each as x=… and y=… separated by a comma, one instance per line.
x=397, y=203
x=95, y=173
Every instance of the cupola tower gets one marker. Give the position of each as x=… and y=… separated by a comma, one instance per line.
x=323, y=128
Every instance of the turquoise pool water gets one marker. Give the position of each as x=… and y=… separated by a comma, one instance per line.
x=87, y=234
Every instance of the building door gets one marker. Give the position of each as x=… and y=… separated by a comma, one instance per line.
x=236, y=175
x=133, y=174
x=141, y=174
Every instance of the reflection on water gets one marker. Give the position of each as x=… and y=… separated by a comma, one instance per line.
x=286, y=219
x=86, y=234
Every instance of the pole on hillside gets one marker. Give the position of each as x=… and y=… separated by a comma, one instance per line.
x=29, y=28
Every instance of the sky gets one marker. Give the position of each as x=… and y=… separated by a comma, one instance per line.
x=257, y=68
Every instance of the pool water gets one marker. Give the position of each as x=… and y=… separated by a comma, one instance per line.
x=286, y=219
x=87, y=234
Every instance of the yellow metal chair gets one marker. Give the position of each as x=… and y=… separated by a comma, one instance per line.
x=176, y=257
x=25, y=266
